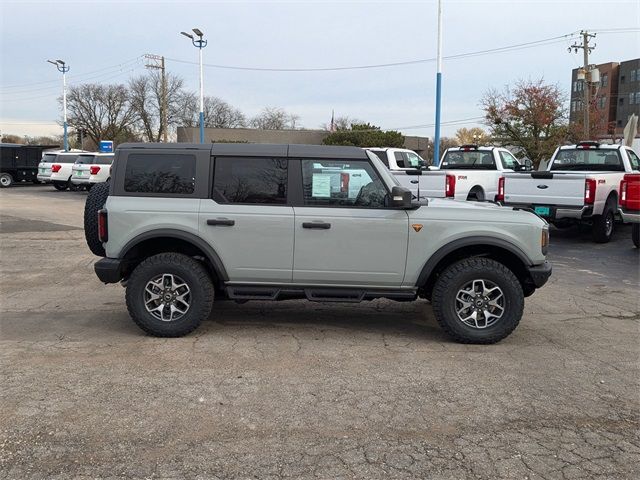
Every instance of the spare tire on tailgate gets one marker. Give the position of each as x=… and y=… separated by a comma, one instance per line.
x=95, y=201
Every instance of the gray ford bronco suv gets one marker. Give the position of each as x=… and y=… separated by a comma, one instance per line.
x=181, y=225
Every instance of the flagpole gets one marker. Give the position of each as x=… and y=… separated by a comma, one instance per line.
x=436, y=140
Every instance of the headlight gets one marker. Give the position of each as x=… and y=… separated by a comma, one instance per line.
x=544, y=240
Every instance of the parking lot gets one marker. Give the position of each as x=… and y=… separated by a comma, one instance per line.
x=305, y=390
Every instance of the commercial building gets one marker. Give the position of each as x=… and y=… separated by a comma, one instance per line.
x=613, y=97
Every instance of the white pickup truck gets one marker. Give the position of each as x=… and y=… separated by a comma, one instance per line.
x=473, y=172
x=580, y=185
x=413, y=172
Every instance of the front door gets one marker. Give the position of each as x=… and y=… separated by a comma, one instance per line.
x=344, y=232
x=247, y=220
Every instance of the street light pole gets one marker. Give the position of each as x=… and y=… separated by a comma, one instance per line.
x=199, y=44
x=64, y=68
x=436, y=141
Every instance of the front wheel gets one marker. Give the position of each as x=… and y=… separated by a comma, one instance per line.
x=635, y=234
x=169, y=294
x=478, y=300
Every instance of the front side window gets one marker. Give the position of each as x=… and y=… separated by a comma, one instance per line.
x=470, y=159
x=588, y=160
x=633, y=159
x=415, y=160
x=509, y=162
x=342, y=183
x=160, y=173
x=250, y=180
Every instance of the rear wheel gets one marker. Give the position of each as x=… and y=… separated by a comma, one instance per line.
x=6, y=180
x=476, y=195
x=478, y=300
x=95, y=201
x=60, y=185
x=603, y=225
x=635, y=234
x=168, y=295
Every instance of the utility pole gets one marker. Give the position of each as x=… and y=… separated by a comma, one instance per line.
x=586, y=91
x=157, y=62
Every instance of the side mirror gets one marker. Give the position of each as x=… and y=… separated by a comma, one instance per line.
x=400, y=197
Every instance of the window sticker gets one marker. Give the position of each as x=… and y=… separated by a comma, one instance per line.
x=321, y=185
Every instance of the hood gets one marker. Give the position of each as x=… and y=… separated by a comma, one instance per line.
x=485, y=212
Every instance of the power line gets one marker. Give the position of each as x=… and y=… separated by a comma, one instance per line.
x=542, y=42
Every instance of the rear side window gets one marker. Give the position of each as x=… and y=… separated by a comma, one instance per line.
x=160, y=173
x=49, y=158
x=250, y=180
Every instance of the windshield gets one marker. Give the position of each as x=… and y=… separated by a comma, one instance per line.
x=591, y=160
x=85, y=159
x=472, y=159
x=49, y=157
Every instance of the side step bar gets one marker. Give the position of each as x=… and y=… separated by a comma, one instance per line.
x=345, y=295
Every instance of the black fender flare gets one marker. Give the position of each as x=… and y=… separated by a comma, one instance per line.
x=210, y=253
x=442, y=252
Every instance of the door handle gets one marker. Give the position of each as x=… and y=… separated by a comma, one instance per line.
x=415, y=181
x=224, y=222
x=318, y=225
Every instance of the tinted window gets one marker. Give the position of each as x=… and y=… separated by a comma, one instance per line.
x=85, y=159
x=593, y=160
x=160, y=173
x=469, y=159
x=401, y=158
x=382, y=155
x=103, y=160
x=342, y=183
x=49, y=157
x=66, y=158
x=250, y=180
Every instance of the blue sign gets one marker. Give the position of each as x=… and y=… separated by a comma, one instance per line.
x=106, y=146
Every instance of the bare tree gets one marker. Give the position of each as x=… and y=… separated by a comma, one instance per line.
x=342, y=123
x=104, y=111
x=217, y=112
x=274, y=118
x=146, y=99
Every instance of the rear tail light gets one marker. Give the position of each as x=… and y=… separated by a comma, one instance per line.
x=450, y=186
x=589, y=191
x=500, y=195
x=55, y=168
x=103, y=230
x=623, y=193
x=94, y=170
x=344, y=182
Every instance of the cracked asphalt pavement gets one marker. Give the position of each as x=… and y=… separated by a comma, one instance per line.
x=304, y=390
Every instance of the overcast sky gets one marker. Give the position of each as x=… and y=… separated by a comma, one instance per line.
x=103, y=41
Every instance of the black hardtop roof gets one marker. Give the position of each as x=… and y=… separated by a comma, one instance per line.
x=256, y=149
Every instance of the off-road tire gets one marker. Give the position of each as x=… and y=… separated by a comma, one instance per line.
x=635, y=234
x=195, y=276
x=96, y=199
x=62, y=186
x=455, y=277
x=6, y=180
x=601, y=231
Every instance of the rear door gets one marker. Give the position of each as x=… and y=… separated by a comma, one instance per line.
x=344, y=236
x=247, y=219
